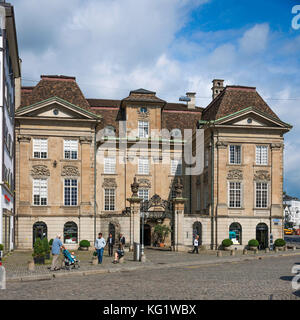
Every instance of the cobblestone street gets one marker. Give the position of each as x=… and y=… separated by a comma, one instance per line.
x=266, y=279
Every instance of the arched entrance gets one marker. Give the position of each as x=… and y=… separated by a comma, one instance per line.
x=197, y=231
x=112, y=230
x=235, y=233
x=262, y=235
x=39, y=230
x=70, y=233
x=147, y=235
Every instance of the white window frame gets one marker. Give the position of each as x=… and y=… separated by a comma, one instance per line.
x=235, y=189
x=176, y=167
x=40, y=146
x=235, y=158
x=260, y=157
x=143, y=166
x=261, y=195
x=109, y=165
x=71, y=146
x=71, y=187
x=143, y=129
x=143, y=194
x=111, y=204
x=43, y=195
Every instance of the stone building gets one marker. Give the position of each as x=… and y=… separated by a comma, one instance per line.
x=10, y=78
x=91, y=165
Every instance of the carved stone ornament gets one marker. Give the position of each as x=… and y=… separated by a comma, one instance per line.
x=134, y=188
x=24, y=139
x=276, y=145
x=178, y=187
x=145, y=183
x=262, y=175
x=143, y=115
x=87, y=140
x=235, y=175
x=70, y=171
x=221, y=144
x=40, y=171
x=156, y=201
x=109, y=183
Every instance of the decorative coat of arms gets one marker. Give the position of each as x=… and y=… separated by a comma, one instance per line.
x=70, y=171
x=109, y=183
x=235, y=175
x=262, y=175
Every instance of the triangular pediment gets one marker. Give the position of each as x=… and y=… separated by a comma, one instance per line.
x=251, y=118
x=55, y=108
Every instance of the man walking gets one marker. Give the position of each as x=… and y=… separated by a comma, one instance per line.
x=100, y=243
x=196, y=244
x=110, y=242
x=56, y=246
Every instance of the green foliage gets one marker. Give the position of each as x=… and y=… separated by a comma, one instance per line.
x=227, y=243
x=50, y=242
x=46, y=246
x=95, y=253
x=38, y=248
x=1, y=247
x=84, y=244
x=161, y=232
x=253, y=243
x=279, y=243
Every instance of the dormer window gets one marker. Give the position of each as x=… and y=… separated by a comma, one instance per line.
x=143, y=109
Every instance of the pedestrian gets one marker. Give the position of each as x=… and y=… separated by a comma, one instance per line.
x=56, y=246
x=110, y=241
x=122, y=240
x=196, y=244
x=119, y=254
x=100, y=243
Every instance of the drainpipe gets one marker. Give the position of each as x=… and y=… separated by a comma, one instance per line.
x=95, y=182
x=212, y=190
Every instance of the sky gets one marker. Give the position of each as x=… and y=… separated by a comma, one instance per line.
x=171, y=47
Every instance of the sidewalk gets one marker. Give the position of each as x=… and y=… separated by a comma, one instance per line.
x=16, y=263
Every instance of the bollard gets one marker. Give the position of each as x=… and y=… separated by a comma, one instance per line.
x=245, y=251
x=276, y=249
x=284, y=248
x=267, y=250
x=232, y=252
x=255, y=251
x=219, y=253
x=95, y=261
x=31, y=266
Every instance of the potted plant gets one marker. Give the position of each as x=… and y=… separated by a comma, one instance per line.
x=253, y=244
x=1, y=251
x=280, y=244
x=84, y=245
x=161, y=232
x=50, y=243
x=226, y=244
x=38, y=252
x=46, y=248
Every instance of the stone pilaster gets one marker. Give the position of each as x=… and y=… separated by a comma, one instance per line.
x=179, y=223
x=134, y=220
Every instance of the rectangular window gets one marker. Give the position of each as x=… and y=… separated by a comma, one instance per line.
x=109, y=199
x=71, y=192
x=40, y=192
x=262, y=155
x=206, y=158
x=143, y=129
x=71, y=149
x=235, y=194
x=143, y=166
x=261, y=195
x=109, y=165
x=40, y=148
x=143, y=194
x=234, y=154
x=176, y=167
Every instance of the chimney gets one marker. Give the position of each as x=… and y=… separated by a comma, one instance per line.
x=218, y=86
x=192, y=103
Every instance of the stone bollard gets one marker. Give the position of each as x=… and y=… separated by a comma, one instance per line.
x=245, y=251
x=121, y=260
x=284, y=248
x=294, y=248
x=267, y=250
x=95, y=261
x=255, y=251
x=276, y=249
x=143, y=258
x=219, y=253
x=31, y=266
x=232, y=252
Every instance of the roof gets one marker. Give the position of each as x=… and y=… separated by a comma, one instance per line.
x=170, y=106
x=102, y=103
x=233, y=99
x=62, y=87
x=143, y=95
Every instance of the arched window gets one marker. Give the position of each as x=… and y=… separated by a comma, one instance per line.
x=235, y=233
x=70, y=233
x=39, y=231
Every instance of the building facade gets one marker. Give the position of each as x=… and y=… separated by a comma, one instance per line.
x=91, y=165
x=291, y=207
x=10, y=77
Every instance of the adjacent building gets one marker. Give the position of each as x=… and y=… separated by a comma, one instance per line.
x=291, y=207
x=90, y=165
x=9, y=85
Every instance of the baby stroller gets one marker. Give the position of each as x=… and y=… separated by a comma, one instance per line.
x=70, y=261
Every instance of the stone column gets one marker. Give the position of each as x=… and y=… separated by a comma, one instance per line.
x=134, y=214
x=178, y=221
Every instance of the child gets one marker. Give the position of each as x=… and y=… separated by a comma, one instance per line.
x=119, y=254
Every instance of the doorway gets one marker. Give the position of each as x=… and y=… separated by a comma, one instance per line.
x=197, y=231
x=39, y=231
x=147, y=235
x=262, y=235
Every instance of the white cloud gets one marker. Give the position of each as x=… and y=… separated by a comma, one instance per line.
x=255, y=39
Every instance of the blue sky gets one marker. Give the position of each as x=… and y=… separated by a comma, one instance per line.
x=171, y=47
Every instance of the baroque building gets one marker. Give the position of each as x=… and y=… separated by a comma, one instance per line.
x=95, y=165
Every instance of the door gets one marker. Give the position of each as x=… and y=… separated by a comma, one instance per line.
x=147, y=235
x=39, y=231
x=262, y=235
